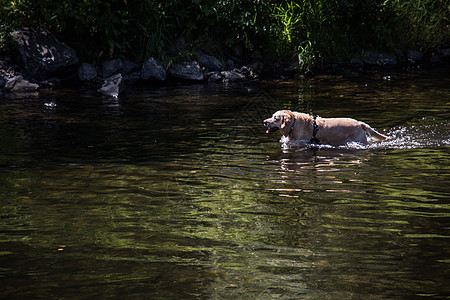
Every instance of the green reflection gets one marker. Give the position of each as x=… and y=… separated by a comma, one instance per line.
x=104, y=201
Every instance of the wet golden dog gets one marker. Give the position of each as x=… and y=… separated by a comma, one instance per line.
x=305, y=128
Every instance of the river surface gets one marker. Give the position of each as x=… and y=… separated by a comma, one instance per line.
x=178, y=193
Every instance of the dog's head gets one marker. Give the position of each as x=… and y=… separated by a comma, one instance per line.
x=281, y=120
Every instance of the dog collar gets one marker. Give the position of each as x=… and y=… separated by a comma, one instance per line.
x=314, y=139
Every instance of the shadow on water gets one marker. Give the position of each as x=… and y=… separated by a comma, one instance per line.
x=178, y=193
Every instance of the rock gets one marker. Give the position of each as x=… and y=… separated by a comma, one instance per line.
x=152, y=69
x=214, y=76
x=249, y=72
x=111, y=67
x=434, y=59
x=111, y=86
x=210, y=63
x=129, y=67
x=232, y=76
x=356, y=63
x=42, y=54
x=87, y=72
x=17, y=84
x=187, y=71
x=414, y=55
x=381, y=59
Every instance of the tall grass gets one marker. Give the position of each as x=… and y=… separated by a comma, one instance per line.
x=424, y=24
x=313, y=30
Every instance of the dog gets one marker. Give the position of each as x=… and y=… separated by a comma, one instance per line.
x=300, y=127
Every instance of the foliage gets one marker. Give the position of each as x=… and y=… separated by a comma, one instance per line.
x=91, y=26
x=427, y=22
x=312, y=29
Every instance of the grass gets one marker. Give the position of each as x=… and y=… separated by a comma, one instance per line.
x=313, y=30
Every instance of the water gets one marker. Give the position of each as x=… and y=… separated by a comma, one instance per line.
x=179, y=193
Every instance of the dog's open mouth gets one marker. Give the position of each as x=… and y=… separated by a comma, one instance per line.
x=272, y=129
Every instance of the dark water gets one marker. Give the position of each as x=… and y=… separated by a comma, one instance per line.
x=179, y=193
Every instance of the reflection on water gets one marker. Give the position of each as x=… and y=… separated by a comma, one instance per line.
x=178, y=193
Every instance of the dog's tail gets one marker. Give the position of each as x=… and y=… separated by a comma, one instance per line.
x=373, y=133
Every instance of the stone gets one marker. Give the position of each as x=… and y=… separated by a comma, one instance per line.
x=434, y=59
x=210, y=63
x=87, y=72
x=152, y=69
x=232, y=76
x=356, y=62
x=42, y=54
x=129, y=67
x=381, y=59
x=414, y=55
x=17, y=84
x=187, y=71
x=111, y=67
x=249, y=72
x=111, y=86
x=214, y=76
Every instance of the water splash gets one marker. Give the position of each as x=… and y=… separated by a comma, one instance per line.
x=428, y=133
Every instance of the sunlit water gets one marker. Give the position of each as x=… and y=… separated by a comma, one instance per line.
x=179, y=193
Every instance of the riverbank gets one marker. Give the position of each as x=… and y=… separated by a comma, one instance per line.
x=41, y=60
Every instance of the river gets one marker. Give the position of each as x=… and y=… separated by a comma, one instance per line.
x=177, y=192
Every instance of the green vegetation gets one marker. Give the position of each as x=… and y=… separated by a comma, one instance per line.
x=266, y=29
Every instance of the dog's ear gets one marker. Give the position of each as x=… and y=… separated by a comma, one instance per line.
x=286, y=120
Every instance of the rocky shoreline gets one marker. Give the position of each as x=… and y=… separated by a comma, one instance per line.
x=44, y=61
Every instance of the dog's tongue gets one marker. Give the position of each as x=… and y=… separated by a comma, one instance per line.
x=267, y=131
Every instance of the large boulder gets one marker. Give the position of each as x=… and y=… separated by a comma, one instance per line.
x=87, y=72
x=190, y=71
x=42, y=54
x=152, y=69
x=210, y=63
x=129, y=67
x=111, y=67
